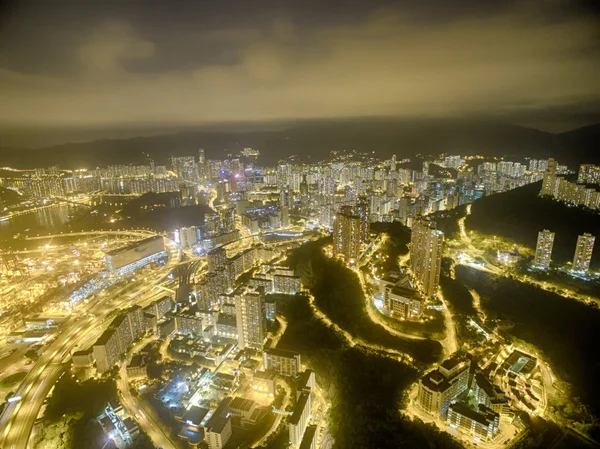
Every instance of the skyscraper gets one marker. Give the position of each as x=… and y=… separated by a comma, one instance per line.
x=185, y=168
x=250, y=320
x=347, y=234
x=426, y=244
x=583, y=252
x=363, y=211
x=543, y=250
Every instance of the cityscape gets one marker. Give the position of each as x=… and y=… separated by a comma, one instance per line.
x=299, y=226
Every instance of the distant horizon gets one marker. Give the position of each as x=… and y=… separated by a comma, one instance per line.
x=31, y=137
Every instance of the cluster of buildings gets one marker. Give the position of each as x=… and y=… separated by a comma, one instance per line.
x=582, y=192
x=443, y=394
x=581, y=260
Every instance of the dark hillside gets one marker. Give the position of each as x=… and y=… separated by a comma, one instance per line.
x=520, y=214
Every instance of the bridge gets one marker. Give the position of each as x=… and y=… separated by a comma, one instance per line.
x=130, y=232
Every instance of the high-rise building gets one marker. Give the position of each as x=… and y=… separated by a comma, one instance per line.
x=543, y=250
x=188, y=237
x=250, y=320
x=185, y=168
x=440, y=387
x=347, y=234
x=426, y=244
x=588, y=174
x=362, y=209
x=216, y=258
x=583, y=252
x=114, y=342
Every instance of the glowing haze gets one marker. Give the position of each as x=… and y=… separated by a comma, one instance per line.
x=103, y=64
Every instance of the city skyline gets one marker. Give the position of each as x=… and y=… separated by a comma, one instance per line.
x=299, y=225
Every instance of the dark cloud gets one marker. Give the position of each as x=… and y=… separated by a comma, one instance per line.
x=102, y=63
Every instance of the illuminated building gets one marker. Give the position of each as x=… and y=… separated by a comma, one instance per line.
x=299, y=419
x=543, y=250
x=347, y=234
x=481, y=424
x=588, y=174
x=440, y=387
x=212, y=224
x=227, y=219
x=126, y=260
x=402, y=302
x=583, y=253
x=426, y=244
x=185, y=168
x=264, y=382
x=216, y=258
x=188, y=237
x=286, y=363
x=289, y=285
x=114, y=342
x=217, y=431
x=251, y=321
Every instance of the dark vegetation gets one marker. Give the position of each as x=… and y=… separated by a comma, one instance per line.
x=520, y=214
x=339, y=295
x=447, y=221
x=562, y=329
x=458, y=296
x=70, y=417
x=365, y=387
x=395, y=246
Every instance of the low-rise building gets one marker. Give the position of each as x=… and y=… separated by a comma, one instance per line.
x=137, y=367
x=403, y=302
x=482, y=424
x=264, y=382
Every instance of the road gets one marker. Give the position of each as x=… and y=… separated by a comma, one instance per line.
x=450, y=343
x=355, y=341
x=278, y=417
x=374, y=315
x=19, y=419
x=145, y=416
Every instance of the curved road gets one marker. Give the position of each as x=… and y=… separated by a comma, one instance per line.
x=19, y=417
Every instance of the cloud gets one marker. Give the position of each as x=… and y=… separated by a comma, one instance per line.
x=386, y=64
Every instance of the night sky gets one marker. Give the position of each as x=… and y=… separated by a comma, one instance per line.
x=115, y=63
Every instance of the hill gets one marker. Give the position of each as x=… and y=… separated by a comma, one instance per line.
x=313, y=140
x=586, y=142
x=520, y=214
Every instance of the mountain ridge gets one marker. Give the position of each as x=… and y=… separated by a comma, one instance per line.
x=314, y=140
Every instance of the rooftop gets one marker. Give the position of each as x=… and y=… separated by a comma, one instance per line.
x=299, y=408
x=243, y=404
x=216, y=424
x=309, y=436
x=464, y=410
x=194, y=415
x=134, y=245
x=282, y=353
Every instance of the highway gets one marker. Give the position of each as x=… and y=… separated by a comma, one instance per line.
x=19, y=417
